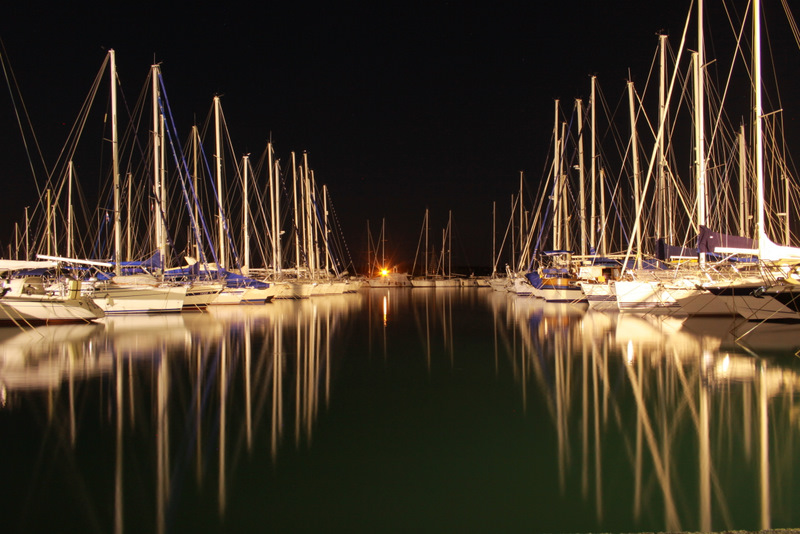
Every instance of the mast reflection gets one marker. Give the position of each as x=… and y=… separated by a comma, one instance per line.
x=655, y=422
x=203, y=386
x=666, y=393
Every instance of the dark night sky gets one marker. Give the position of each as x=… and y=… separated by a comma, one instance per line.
x=400, y=106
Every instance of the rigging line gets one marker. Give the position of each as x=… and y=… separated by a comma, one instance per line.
x=225, y=225
x=636, y=222
x=170, y=126
x=792, y=22
x=74, y=135
x=8, y=72
x=261, y=202
x=341, y=232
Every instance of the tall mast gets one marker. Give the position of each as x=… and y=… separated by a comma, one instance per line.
x=563, y=189
x=49, y=218
x=581, y=177
x=162, y=194
x=128, y=225
x=661, y=206
x=27, y=241
x=426, y=242
x=158, y=171
x=593, y=170
x=222, y=261
x=273, y=200
x=556, y=181
x=310, y=241
x=759, y=112
x=198, y=246
x=513, y=233
x=744, y=197
x=115, y=163
x=246, y=216
x=494, y=231
x=636, y=172
x=521, y=220
x=700, y=150
x=69, y=210
x=296, y=217
x=450, y=243
x=326, y=230
x=604, y=234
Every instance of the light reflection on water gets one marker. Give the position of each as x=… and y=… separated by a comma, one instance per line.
x=397, y=410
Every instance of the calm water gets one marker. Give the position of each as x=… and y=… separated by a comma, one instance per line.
x=400, y=410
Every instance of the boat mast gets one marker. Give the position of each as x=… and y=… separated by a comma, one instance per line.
x=636, y=171
x=273, y=199
x=49, y=218
x=115, y=163
x=69, y=210
x=27, y=242
x=661, y=213
x=494, y=244
x=326, y=229
x=158, y=167
x=759, y=113
x=246, y=216
x=556, y=182
x=603, y=233
x=128, y=226
x=309, y=219
x=218, y=156
x=521, y=222
x=563, y=188
x=195, y=141
x=699, y=102
x=426, y=242
x=161, y=213
x=513, y=233
x=581, y=177
x=296, y=217
x=593, y=171
x=450, y=243
x=744, y=198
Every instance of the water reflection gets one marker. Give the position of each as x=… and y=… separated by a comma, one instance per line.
x=715, y=394
x=43, y=358
x=200, y=419
x=194, y=384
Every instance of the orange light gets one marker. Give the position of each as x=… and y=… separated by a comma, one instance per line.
x=384, y=272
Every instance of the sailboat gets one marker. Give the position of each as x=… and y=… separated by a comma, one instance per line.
x=554, y=278
x=773, y=292
x=447, y=279
x=765, y=289
x=679, y=289
x=25, y=299
x=135, y=291
x=426, y=280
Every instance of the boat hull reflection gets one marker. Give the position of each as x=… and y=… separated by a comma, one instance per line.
x=401, y=409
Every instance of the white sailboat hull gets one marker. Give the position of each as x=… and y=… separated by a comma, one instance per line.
x=116, y=299
x=47, y=309
x=601, y=297
x=199, y=296
x=230, y=296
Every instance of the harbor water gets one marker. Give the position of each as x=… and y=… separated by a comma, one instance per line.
x=400, y=410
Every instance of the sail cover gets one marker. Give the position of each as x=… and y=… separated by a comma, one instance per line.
x=708, y=241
